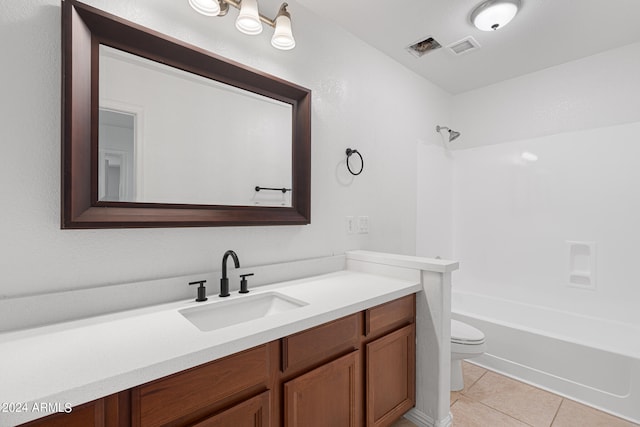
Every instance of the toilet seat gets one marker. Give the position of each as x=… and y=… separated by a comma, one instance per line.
x=461, y=333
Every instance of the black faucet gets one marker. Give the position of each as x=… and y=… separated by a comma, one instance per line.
x=224, y=282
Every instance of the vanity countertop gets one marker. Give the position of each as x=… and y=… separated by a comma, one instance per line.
x=79, y=361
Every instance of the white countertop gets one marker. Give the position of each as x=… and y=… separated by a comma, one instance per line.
x=406, y=261
x=76, y=362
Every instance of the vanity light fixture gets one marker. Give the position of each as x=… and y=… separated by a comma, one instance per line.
x=250, y=20
x=493, y=14
x=283, y=36
x=206, y=7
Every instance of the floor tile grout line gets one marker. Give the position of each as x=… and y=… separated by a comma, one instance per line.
x=557, y=411
x=465, y=390
x=503, y=413
x=462, y=393
x=473, y=383
x=490, y=407
x=479, y=378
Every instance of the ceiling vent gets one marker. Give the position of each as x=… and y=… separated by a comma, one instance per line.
x=465, y=45
x=423, y=47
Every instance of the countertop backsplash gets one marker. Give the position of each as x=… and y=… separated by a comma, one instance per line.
x=45, y=309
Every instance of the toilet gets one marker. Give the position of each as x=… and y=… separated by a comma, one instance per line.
x=466, y=342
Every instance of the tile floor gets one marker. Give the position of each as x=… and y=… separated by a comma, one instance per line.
x=493, y=400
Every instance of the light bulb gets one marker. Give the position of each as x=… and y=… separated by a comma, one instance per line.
x=283, y=36
x=248, y=20
x=206, y=7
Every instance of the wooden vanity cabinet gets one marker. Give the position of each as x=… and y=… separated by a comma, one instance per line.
x=354, y=371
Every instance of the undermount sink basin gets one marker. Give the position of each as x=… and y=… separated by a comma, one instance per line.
x=223, y=313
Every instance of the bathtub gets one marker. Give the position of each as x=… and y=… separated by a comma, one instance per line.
x=590, y=360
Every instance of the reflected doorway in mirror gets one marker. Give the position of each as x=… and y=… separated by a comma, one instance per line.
x=116, y=178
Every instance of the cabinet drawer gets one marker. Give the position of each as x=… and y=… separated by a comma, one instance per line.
x=195, y=392
x=390, y=316
x=319, y=344
x=254, y=412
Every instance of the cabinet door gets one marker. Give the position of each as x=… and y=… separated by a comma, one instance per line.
x=253, y=412
x=391, y=367
x=326, y=396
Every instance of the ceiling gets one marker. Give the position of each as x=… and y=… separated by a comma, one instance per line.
x=543, y=34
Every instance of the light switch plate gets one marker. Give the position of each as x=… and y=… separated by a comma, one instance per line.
x=350, y=224
x=363, y=224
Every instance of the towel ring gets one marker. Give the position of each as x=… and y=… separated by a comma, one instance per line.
x=349, y=153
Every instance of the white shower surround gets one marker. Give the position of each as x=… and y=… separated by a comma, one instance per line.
x=592, y=360
x=514, y=218
x=546, y=159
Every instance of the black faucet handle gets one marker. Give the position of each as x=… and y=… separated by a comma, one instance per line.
x=244, y=285
x=202, y=291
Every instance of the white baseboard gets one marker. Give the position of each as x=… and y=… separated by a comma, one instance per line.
x=421, y=419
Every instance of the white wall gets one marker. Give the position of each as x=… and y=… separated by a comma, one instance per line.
x=512, y=217
x=361, y=99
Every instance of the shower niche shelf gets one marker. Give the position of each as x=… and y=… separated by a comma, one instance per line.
x=582, y=264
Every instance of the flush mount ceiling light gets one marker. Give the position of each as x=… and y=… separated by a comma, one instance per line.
x=493, y=14
x=250, y=20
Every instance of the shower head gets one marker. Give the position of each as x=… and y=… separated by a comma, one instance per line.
x=452, y=133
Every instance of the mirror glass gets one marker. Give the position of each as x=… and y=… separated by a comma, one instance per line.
x=215, y=149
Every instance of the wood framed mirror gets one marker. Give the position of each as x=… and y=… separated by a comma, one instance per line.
x=86, y=32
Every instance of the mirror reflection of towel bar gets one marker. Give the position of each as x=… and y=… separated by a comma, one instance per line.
x=284, y=190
